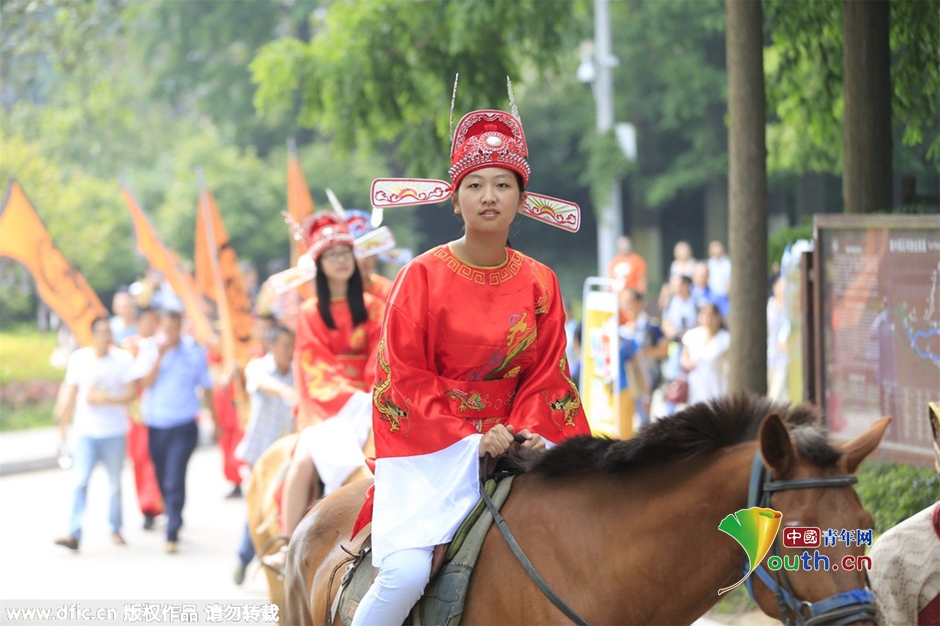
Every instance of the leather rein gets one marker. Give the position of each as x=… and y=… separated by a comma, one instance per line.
x=516, y=549
x=840, y=609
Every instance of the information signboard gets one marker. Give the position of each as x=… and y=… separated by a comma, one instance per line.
x=878, y=311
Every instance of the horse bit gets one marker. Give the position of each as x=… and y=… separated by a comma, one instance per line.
x=840, y=609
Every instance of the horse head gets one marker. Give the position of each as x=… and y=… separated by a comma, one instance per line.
x=809, y=481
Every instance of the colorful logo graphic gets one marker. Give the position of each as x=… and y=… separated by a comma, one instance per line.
x=801, y=537
x=755, y=529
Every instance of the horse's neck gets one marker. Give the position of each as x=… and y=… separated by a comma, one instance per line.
x=663, y=555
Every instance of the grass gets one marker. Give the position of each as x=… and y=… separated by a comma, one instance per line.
x=28, y=416
x=24, y=355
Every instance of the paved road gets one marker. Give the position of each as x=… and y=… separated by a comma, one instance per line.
x=34, y=510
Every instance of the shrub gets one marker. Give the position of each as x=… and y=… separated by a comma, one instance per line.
x=892, y=492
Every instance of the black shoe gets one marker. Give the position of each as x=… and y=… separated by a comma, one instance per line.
x=239, y=574
x=236, y=493
x=148, y=521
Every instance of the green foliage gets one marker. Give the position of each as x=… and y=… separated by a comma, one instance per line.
x=16, y=298
x=24, y=355
x=80, y=212
x=383, y=70
x=197, y=53
x=892, y=493
x=251, y=192
x=803, y=67
x=606, y=164
x=671, y=84
x=778, y=242
x=150, y=91
x=27, y=416
x=916, y=73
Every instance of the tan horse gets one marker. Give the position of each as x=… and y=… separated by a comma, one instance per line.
x=263, y=525
x=626, y=532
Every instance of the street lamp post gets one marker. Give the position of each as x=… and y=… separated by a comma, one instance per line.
x=597, y=68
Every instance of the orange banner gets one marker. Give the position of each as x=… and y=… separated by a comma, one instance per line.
x=218, y=274
x=300, y=207
x=24, y=237
x=165, y=261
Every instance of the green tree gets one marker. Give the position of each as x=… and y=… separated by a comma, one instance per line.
x=197, y=54
x=381, y=70
x=671, y=82
x=804, y=66
x=85, y=215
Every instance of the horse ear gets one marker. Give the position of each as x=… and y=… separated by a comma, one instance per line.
x=863, y=445
x=775, y=445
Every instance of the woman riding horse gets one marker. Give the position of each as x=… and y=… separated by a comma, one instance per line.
x=472, y=352
x=334, y=364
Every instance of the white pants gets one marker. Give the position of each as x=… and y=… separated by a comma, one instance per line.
x=335, y=445
x=397, y=588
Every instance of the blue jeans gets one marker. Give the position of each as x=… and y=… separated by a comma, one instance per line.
x=170, y=449
x=88, y=451
x=246, y=551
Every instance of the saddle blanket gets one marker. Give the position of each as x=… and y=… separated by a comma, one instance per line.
x=444, y=597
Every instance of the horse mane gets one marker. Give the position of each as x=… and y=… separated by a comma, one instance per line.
x=697, y=429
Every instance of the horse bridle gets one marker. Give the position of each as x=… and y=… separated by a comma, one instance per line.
x=840, y=609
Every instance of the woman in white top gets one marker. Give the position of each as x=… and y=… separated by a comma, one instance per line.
x=705, y=356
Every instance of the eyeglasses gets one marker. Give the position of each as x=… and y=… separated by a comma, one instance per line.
x=336, y=255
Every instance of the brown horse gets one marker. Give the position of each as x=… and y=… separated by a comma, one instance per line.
x=266, y=476
x=626, y=532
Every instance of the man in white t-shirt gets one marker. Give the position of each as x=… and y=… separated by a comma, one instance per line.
x=99, y=383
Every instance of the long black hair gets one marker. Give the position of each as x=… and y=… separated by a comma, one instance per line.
x=354, y=297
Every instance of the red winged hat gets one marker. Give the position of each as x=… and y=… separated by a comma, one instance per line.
x=324, y=229
x=486, y=138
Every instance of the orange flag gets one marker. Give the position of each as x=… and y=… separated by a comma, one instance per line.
x=300, y=207
x=299, y=200
x=165, y=261
x=219, y=278
x=24, y=237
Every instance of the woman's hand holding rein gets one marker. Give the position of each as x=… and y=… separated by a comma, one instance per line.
x=500, y=438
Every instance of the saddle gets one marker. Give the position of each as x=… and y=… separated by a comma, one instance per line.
x=451, y=567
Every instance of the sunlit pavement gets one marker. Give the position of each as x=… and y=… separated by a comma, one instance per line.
x=34, y=509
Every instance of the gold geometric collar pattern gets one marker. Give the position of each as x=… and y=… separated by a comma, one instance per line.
x=478, y=275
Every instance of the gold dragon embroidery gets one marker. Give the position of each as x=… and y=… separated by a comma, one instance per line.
x=472, y=400
x=570, y=403
x=389, y=411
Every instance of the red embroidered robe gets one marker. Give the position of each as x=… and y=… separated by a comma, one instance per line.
x=463, y=348
x=331, y=364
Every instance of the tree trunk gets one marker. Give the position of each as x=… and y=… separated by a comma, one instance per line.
x=747, y=190
x=866, y=174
